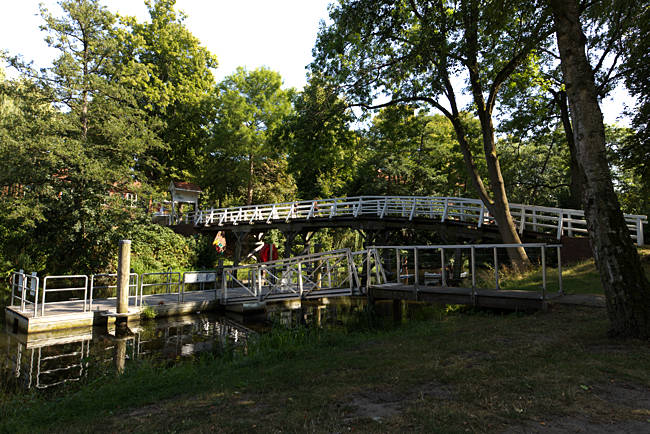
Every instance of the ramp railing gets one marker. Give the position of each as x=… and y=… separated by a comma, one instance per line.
x=444, y=264
x=306, y=276
x=66, y=284
x=199, y=281
x=168, y=282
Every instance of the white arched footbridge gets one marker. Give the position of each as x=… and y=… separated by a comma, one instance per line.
x=342, y=211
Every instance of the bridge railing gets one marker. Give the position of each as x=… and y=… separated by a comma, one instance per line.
x=303, y=276
x=553, y=221
x=445, y=265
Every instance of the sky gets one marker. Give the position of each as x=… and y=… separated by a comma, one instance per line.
x=278, y=34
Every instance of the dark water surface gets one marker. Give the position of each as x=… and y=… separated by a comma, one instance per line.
x=49, y=361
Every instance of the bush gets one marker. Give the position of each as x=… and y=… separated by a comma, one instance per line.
x=156, y=248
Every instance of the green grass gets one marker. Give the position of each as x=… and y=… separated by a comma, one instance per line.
x=579, y=278
x=469, y=371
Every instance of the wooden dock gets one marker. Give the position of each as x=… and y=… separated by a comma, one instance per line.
x=70, y=315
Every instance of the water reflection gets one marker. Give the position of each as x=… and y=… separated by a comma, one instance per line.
x=48, y=360
x=44, y=361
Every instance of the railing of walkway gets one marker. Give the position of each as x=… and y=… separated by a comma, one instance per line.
x=79, y=292
x=106, y=285
x=24, y=289
x=200, y=281
x=445, y=264
x=297, y=277
x=553, y=221
x=66, y=284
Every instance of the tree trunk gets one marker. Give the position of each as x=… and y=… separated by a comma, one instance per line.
x=576, y=177
x=251, y=172
x=625, y=285
x=498, y=207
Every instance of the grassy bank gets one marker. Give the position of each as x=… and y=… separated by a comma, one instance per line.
x=464, y=371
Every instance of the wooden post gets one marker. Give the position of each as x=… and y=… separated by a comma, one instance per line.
x=122, y=299
x=397, y=311
x=123, y=270
x=120, y=355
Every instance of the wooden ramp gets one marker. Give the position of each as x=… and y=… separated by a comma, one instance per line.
x=491, y=298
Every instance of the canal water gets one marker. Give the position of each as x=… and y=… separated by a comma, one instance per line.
x=51, y=361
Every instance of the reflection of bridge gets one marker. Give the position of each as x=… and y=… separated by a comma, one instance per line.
x=44, y=361
x=454, y=217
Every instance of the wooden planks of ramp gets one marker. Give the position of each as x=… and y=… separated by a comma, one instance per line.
x=489, y=298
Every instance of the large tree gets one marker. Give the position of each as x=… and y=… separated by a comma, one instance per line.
x=176, y=83
x=416, y=52
x=322, y=147
x=409, y=152
x=245, y=152
x=624, y=282
x=77, y=134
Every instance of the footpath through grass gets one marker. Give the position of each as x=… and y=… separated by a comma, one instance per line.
x=459, y=372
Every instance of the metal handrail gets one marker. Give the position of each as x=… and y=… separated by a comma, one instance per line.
x=201, y=277
x=68, y=289
x=168, y=284
x=297, y=275
x=131, y=285
x=473, y=247
x=21, y=286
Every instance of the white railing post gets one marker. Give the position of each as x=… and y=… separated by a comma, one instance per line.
x=415, y=201
x=300, y=287
x=496, y=268
x=522, y=222
x=444, y=211
x=443, y=271
x=560, y=225
x=481, y=215
x=333, y=209
x=311, y=210
x=473, y=260
x=358, y=209
x=639, y=231
x=383, y=210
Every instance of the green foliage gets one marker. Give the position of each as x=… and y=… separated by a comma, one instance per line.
x=156, y=248
x=172, y=71
x=147, y=312
x=244, y=162
x=323, y=150
x=536, y=169
x=412, y=153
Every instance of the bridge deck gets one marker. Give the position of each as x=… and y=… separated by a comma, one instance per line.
x=501, y=299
